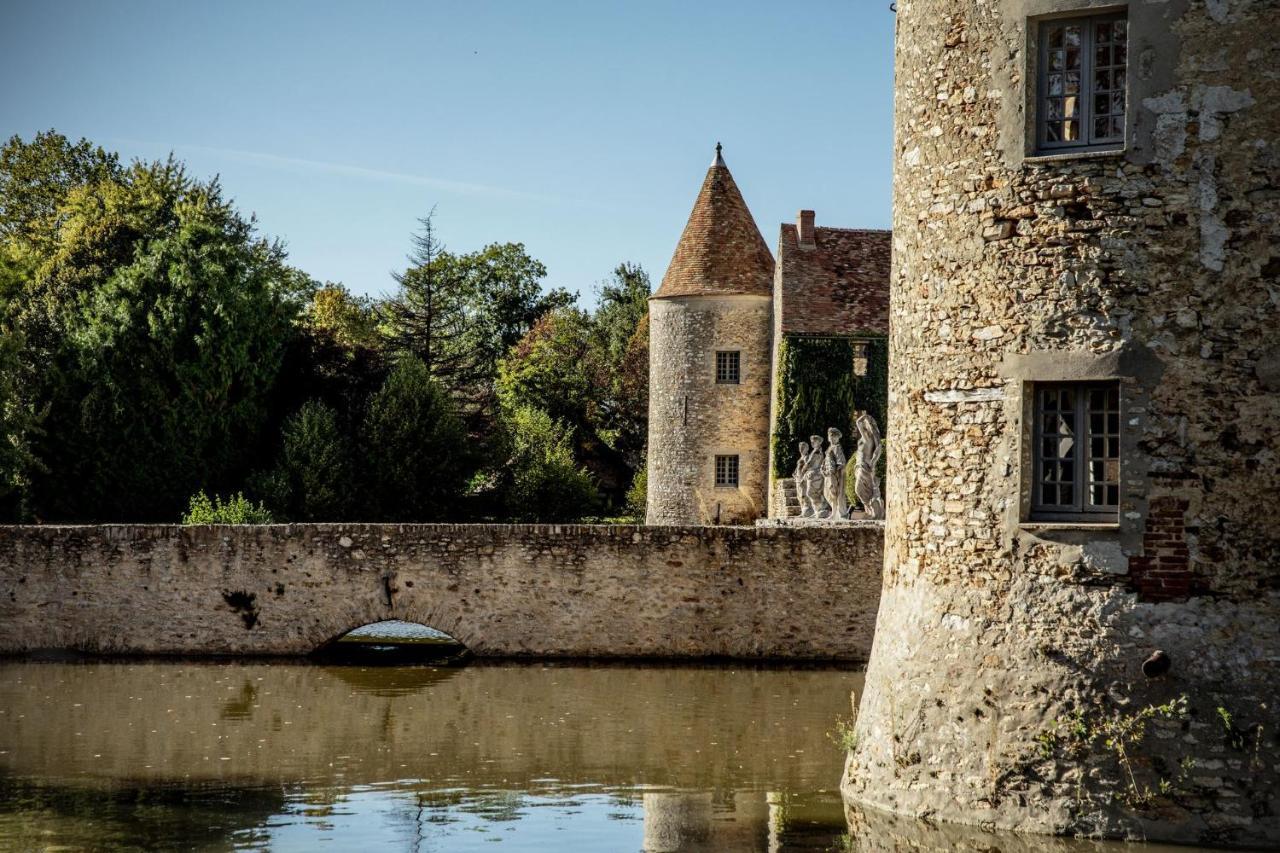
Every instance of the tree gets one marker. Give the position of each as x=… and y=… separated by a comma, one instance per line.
x=352, y=321
x=621, y=337
x=546, y=483
x=154, y=328
x=414, y=447
x=19, y=424
x=315, y=476
x=551, y=369
x=35, y=178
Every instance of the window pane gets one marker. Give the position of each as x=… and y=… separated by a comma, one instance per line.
x=1071, y=130
x=1071, y=35
x=1055, y=36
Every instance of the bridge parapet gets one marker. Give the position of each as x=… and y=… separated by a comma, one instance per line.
x=502, y=590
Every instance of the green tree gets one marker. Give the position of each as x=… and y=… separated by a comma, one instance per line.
x=426, y=318
x=552, y=369
x=546, y=483
x=352, y=321
x=414, y=447
x=153, y=330
x=19, y=425
x=35, y=178
x=314, y=479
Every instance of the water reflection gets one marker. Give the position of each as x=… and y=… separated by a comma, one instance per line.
x=273, y=756
x=253, y=756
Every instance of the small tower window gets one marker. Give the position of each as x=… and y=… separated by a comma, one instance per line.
x=727, y=471
x=1077, y=450
x=1081, y=82
x=728, y=367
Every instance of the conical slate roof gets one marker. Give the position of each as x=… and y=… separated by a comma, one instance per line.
x=721, y=250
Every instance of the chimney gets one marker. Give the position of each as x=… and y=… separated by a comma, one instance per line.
x=804, y=229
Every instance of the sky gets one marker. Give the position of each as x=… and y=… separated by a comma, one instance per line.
x=582, y=130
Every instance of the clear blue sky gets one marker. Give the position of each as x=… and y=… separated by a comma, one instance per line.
x=580, y=129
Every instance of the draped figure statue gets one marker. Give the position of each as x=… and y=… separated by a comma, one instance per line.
x=812, y=504
x=833, y=476
x=797, y=476
x=866, y=484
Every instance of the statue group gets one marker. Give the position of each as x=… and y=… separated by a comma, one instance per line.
x=820, y=474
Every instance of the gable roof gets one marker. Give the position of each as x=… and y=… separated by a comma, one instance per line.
x=837, y=286
x=721, y=250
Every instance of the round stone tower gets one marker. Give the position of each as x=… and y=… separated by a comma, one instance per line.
x=709, y=354
x=1084, y=479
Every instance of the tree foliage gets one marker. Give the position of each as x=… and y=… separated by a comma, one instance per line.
x=314, y=479
x=236, y=509
x=414, y=448
x=547, y=484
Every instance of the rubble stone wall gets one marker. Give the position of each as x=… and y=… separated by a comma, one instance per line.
x=502, y=590
x=1004, y=644
x=692, y=419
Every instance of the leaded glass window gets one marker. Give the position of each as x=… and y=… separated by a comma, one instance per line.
x=727, y=471
x=728, y=367
x=1077, y=449
x=1082, y=82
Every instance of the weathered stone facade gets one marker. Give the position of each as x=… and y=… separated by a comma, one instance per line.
x=502, y=590
x=1155, y=267
x=692, y=419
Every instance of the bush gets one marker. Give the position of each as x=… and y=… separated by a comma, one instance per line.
x=638, y=494
x=414, y=447
x=547, y=484
x=236, y=510
x=313, y=479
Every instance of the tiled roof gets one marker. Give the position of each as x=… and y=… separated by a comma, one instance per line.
x=839, y=286
x=721, y=250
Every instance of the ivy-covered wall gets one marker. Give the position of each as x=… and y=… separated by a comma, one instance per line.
x=817, y=388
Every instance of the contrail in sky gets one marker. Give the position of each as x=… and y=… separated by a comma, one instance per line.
x=459, y=187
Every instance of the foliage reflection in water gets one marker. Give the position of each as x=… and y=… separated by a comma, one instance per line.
x=240, y=756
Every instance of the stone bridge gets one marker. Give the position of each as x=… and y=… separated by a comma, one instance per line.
x=501, y=590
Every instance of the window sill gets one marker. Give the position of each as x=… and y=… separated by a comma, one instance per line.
x=1046, y=159
x=1033, y=526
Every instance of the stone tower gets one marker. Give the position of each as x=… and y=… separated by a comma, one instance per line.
x=709, y=378
x=1084, y=477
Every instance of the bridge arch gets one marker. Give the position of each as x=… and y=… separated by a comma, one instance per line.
x=393, y=641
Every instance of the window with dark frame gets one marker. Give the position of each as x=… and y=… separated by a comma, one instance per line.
x=1077, y=451
x=1082, y=75
x=728, y=367
x=727, y=471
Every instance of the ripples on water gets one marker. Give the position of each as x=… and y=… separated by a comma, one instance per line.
x=255, y=756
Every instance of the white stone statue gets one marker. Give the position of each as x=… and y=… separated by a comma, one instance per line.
x=866, y=485
x=812, y=504
x=797, y=476
x=833, y=477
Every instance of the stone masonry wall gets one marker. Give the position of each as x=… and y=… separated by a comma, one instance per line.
x=692, y=419
x=1000, y=639
x=502, y=590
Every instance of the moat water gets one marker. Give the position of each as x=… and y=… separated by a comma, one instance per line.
x=153, y=755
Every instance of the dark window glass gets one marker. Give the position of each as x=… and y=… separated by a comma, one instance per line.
x=1083, y=64
x=1076, y=454
x=726, y=470
x=728, y=367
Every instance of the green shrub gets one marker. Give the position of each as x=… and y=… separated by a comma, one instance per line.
x=546, y=483
x=235, y=510
x=638, y=494
x=417, y=461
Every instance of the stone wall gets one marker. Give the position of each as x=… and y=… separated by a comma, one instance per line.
x=1001, y=638
x=692, y=419
x=502, y=590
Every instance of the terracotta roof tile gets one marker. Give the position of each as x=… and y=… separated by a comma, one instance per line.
x=721, y=250
x=840, y=286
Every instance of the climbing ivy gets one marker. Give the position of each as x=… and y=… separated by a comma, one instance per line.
x=817, y=388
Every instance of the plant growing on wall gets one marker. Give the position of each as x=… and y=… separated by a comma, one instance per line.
x=818, y=387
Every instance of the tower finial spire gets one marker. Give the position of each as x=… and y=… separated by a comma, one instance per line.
x=719, y=161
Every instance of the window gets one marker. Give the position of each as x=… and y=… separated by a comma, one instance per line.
x=1081, y=99
x=1077, y=450
x=727, y=471
x=728, y=367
